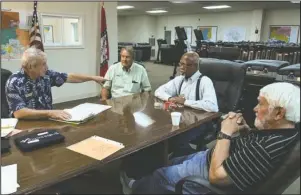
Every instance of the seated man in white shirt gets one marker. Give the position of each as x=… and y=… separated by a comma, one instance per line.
x=191, y=89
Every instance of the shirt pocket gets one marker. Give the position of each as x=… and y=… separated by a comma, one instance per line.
x=118, y=81
x=134, y=87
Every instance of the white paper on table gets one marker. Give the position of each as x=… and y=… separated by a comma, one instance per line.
x=84, y=111
x=8, y=125
x=9, y=179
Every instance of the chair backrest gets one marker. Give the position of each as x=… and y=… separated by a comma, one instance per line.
x=228, y=79
x=5, y=74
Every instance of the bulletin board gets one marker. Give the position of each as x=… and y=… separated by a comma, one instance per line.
x=286, y=33
x=14, y=40
x=209, y=32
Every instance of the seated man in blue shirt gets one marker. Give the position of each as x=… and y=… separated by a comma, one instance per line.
x=28, y=91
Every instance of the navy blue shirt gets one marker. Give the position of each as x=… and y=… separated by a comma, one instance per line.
x=23, y=92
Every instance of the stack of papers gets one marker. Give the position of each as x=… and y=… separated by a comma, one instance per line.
x=9, y=179
x=8, y=125
x=84, y=112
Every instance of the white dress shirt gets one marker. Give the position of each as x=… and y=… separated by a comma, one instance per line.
x=207, y=100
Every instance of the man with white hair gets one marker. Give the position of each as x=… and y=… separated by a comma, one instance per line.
x=28, y=91
x=241, y=162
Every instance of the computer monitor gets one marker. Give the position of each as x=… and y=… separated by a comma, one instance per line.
x=198, y=35
x=181, y=33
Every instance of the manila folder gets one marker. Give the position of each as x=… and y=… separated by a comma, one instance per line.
x=96, y=147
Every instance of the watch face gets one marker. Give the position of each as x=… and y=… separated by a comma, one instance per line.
x=219, y=136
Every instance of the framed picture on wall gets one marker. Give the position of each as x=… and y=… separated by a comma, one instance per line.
x=48, y=33
x=188, y=30
x=286, y=33
x=209, y=32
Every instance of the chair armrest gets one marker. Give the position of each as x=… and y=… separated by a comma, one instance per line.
x=203, y=185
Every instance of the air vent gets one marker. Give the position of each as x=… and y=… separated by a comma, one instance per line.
x=153, y=53
x=152, y=41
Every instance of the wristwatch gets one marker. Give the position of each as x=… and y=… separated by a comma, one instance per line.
x=222, y=135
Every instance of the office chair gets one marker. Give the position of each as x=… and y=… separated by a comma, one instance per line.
x=5, y=74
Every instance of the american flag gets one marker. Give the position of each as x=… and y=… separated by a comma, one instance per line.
x=35, y=35
x=104, y=43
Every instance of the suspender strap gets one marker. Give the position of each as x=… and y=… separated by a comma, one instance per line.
x=179, y=93
x=197, y=90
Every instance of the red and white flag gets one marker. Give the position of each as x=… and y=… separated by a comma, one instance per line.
x=104, y=43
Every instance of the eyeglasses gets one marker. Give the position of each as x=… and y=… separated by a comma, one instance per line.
x=183, y=64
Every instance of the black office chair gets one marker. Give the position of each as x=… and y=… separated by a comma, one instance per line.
x=228, y=80
x=5, y=74
x=276, y=183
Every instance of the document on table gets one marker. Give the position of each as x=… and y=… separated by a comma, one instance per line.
x=84, y=112
x=9, y=179
x=8, y=125
x=96, y=147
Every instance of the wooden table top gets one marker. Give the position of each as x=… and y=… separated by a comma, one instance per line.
x=126, y=122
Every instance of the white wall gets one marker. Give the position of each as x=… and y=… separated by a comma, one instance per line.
x=221, y=20
x=136, y=29
x=280, y=17
x=84, y=61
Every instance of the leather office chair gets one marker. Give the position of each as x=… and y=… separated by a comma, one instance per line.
x=5, y=74
x=228, y=79
x=276, y=183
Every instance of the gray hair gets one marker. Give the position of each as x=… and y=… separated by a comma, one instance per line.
x=283, y=95
x=193, y=57
x=129, y=49
x=31, y=56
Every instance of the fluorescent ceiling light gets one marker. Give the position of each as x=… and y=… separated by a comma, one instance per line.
x=295, y=1
x=156, y=11
x=217, y=7
x=125, y=7
x=181, y=1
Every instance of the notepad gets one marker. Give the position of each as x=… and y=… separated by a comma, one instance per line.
x=9, y=179
x=84, y=112
x=8, y=125
x=96, y=147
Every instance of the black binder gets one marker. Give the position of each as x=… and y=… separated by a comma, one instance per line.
x=37, y=140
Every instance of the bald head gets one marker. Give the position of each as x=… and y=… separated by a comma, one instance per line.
x=189, y=63
x=192, y=57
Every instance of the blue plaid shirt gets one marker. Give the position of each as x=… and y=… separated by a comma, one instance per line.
x=23, y=92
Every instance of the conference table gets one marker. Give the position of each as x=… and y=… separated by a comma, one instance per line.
x=132, y=121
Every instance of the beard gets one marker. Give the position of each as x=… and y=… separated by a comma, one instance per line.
x=263, y=123
x=259, y=124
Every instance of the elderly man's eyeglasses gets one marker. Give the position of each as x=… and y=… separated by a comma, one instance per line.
x=184, y=64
